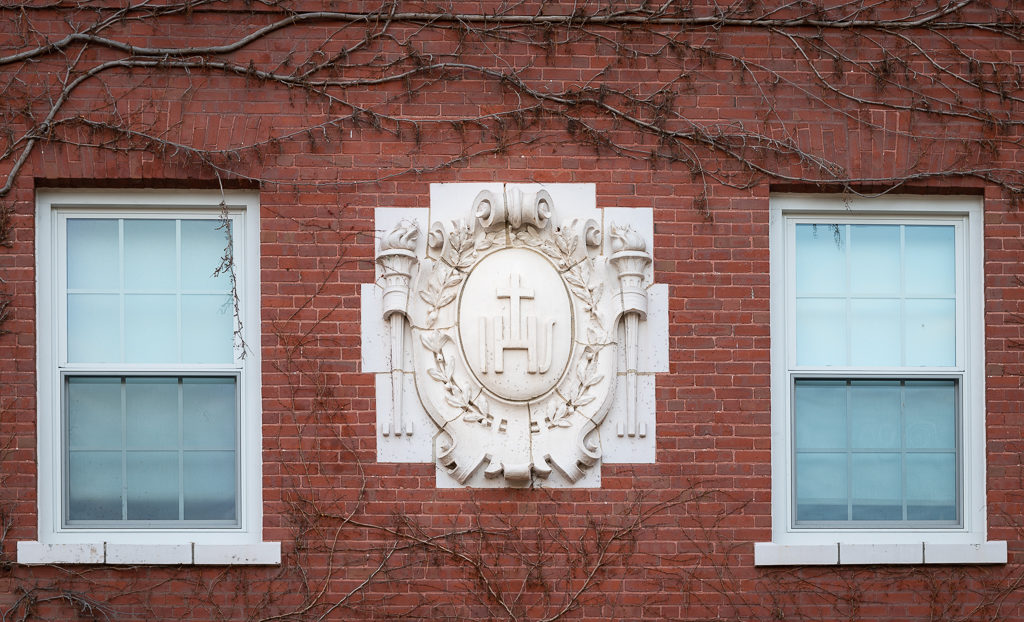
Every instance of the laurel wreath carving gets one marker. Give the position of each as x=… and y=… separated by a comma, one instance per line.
x=475, y=409
x=442, y=288
x=561, y=249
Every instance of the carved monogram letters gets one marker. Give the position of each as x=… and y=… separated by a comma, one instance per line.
x=514, y=336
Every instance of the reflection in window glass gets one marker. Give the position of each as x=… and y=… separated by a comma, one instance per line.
x=875, y=295
x=151, y=449
x=879, y=451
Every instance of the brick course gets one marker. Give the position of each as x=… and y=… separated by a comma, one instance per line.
x=336, y=511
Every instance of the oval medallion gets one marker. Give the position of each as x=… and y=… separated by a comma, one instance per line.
x=516, y=325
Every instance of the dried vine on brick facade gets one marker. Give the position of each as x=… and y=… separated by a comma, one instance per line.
x=852, y=96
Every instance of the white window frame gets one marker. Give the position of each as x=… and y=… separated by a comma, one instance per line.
x=240, y=544
x=965, y=543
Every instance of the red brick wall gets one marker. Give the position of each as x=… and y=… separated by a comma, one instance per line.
x=458, y=554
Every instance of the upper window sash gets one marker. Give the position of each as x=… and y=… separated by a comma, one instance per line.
x=161, y=310
x=830, y=350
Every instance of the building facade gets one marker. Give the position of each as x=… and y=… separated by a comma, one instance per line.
x=511, y=311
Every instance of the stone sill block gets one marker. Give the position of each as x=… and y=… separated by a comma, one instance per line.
x=260, y=554
x=840, y=554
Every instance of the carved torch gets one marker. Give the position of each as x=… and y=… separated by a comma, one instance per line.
x=397, y=257
x=630, y=258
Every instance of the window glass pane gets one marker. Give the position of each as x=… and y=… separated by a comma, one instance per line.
x=820, y=259
x=94, y=328
x=820, y=414
x=875, y=260
x=931, y=486
x=821, y=331
x=93, y=254
x=876, y=486
x=152, y=485
x=874, y=332
x=208, y=323
x=930, y=332
x=203, y=244
x=209, y=485
x=94, y=413
x=209, y=413
x=931, y=414
x=94, y=485
x=821, y=487
x=898, y=429
x=150, y=255
x=151, y=328
x=151, y=413
x=930, y=261
x=163, y=470
x=875, y=414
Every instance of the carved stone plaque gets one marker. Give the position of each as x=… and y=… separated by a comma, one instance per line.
x=514, y=332
x=516, y=316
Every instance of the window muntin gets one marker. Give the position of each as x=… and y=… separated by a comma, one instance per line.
x=151, y=450
x=877, y=294
x=876, y=452
x=148, y=290
x=876, y=338
x=148, y=351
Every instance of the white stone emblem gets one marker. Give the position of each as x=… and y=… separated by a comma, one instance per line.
x=516, y=326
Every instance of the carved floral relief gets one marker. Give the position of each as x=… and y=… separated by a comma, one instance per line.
x=514, y=317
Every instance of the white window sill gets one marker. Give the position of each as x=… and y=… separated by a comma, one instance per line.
x=263, y=553
x=841, y=554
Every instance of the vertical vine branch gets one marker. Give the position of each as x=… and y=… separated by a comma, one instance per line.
x=227, y=267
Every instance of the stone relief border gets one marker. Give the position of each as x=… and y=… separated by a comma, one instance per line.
x=474, y=436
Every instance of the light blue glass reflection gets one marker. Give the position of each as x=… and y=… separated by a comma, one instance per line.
x=94, y=328
x=203, y=246
x=875, y=450
x=821, y=260
x=821, y=331
x=875, y=295
x=875, y=260
x=153, y=491
x=150, y=255
x=93, y=259
x=145, y=291
x=930, y=261
x=151, y=448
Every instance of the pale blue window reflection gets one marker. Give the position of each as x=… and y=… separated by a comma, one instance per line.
x=875, y=295
x=148, y=291
x=151, y=449
x=875, y=451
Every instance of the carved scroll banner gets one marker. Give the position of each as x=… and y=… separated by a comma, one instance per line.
x=523, y=333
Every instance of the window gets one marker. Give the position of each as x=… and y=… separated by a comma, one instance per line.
x=149, y=400
x=877, y=374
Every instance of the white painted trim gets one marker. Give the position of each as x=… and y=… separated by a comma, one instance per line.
x=262, y=553
x=245, y=209
x=859, y=554
x=909, y=553
x=31, y=552
x=993, y=552
x=789, y=544
x=771, y=554
x=164, y=554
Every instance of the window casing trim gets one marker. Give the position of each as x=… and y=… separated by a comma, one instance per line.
x=51, y=207
x=969, y=366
